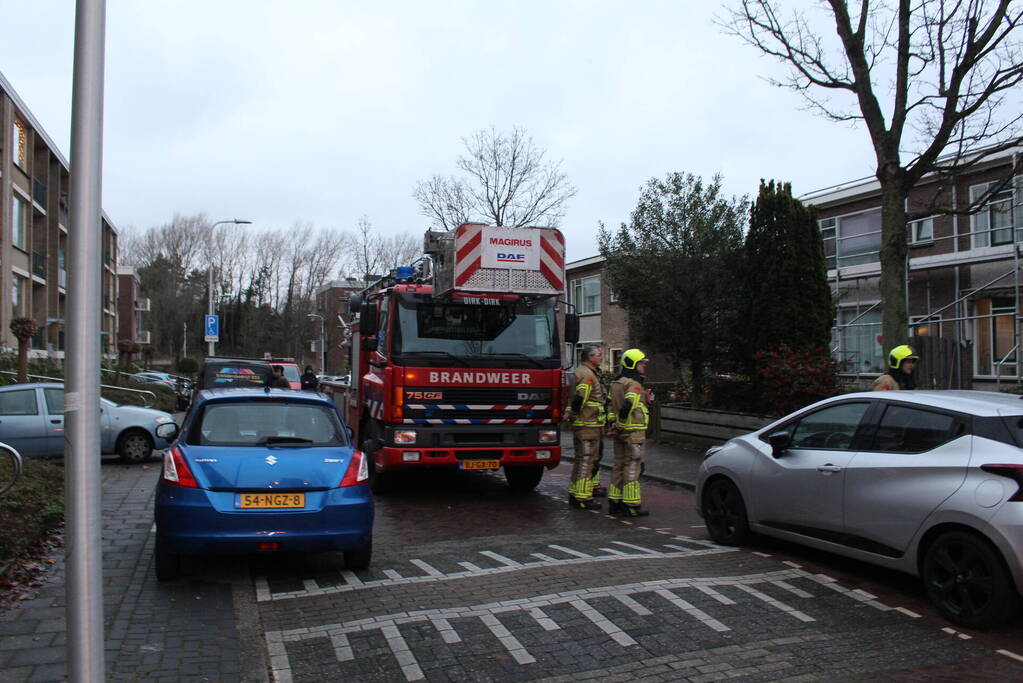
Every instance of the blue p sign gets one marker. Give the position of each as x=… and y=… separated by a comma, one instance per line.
x=211, y=325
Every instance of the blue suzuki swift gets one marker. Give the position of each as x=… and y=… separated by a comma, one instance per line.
x=262, y=470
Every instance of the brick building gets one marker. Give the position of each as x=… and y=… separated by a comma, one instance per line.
x=131, y=307
x=35, y=188
x=332, y=304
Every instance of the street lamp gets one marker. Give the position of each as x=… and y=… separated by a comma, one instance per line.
x=323, y=344
x=236, y=221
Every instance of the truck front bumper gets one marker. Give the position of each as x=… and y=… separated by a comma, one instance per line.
x=390, y=458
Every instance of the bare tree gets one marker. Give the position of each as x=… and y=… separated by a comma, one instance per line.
x=931, y=79
x=505, y=181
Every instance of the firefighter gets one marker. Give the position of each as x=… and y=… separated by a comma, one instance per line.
x=586, y=413
x=901, y=363
x=631, y=417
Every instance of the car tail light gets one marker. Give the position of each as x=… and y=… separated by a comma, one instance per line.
x=358, y=470
x=1014, y=472
x=175, y=470
x=270, y=545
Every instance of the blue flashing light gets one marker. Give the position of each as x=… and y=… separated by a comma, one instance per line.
x=404, y=272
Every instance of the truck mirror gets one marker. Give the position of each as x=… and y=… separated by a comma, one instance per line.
x=571, y=328
x=368, y=319
x=355, y=303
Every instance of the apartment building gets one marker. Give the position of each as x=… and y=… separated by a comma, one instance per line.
x=131, y=308
x=35, y=192
x=332, y=304
x=964, y=280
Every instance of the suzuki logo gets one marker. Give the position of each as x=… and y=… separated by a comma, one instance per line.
x=271, y=460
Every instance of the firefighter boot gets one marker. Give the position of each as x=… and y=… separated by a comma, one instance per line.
x=586, y=504
x=599, y=491
x=614, y=507
x=634, y=511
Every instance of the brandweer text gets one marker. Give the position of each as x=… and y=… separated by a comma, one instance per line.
x=480, y=377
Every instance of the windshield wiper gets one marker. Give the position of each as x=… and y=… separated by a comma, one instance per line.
x=437, y=353
x=514, y=354
x=286, y=441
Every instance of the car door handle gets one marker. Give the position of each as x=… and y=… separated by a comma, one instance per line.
x=56, y=422
x=828, y=468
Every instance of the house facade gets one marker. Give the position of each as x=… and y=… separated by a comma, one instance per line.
x=35, y=187
x=963, y=277
x=132, y=307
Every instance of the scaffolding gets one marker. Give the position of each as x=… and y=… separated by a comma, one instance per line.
x=957, y=321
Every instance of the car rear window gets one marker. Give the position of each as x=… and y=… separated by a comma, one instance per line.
x=268, y=422
x=291, y=373
x=217, y=377
x=910, y=430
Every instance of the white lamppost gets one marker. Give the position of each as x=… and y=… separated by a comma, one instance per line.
x=323, y=344
x=235, y=221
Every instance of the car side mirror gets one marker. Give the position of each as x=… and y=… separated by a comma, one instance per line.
x=780, y=442
x=167, y=431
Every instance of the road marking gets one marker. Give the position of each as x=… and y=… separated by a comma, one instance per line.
x=635, y=547
x=778, y=604
x=507, y=562
x=429, y=569
x=792, y=564
x=723, y=599
x=430, y=573
x=692, y=610
x=511, y=643
x=1012, y=655
x=792, y=589
x=310, y=585
x=580, y=599
x=602, y=622
x=350, y=578
x=755, y=552
x=908, y=613
x=861, y=596
x=633, y=605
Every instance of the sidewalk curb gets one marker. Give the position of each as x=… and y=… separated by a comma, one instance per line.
x=691, y=486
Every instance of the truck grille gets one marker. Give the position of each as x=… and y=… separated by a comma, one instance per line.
x=471, y=405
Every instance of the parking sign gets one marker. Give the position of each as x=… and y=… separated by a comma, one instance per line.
x=212, y=326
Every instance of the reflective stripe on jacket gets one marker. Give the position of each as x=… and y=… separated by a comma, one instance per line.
x=626, y=391
x=594, y=396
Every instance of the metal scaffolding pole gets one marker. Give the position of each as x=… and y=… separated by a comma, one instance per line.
x=84, y=553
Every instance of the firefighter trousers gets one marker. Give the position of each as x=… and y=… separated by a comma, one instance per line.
x=585, y=472
x=628, y=464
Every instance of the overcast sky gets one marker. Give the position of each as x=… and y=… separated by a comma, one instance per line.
x=322, y=112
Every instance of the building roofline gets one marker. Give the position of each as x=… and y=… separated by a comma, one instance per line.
x=588, y=261
x=23, y=109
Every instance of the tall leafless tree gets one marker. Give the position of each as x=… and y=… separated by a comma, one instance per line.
x=505, y=180
x=933, y=81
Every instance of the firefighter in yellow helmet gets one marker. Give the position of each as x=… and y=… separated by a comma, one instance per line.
x=631, y=417
x=901, y=363
x=586, y=413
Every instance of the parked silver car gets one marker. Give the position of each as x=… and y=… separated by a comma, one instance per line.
x=925, y=482
x=32, y=421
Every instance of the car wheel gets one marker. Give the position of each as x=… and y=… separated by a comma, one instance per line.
x=360, y=557
x=967, y=582
x=135, y=446
x=523, y=478
x=725, y=512
x=168, y=565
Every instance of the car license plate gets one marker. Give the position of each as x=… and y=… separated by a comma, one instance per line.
x=272, y=500
x=481, y=464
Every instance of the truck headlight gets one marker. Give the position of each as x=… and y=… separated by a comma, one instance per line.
x=548, y=436
x=405, y=436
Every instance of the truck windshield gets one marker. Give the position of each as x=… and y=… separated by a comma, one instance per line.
x=461, y=330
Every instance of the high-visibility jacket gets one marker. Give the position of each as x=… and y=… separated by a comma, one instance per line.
x=626, y=392
x=588, y=397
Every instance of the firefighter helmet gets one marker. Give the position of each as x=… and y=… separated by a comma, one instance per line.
x=900, y=354
x=631, y=357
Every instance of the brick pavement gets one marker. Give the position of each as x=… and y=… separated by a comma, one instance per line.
x=154, y=632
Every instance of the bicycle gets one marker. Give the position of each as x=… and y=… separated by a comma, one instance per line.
x=10, y=467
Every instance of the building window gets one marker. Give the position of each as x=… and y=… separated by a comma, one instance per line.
x=19, y=223
x=852, y=240
x=586, y=294
x=921, y=230
x=18, y=293
x=854, y=341
x=994, y=350
x=827, y=226
x=19, y=153
x=993, y=224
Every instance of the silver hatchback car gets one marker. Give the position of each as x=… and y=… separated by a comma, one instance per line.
x=925, y=482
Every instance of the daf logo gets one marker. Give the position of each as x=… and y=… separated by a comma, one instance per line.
x=271, y=460
x=529, y=396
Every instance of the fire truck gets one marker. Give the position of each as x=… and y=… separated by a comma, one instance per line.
x=457, y=359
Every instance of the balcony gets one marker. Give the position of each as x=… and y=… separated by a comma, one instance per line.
x=106, y=302
x=143, y=337
x=62, y=278
x=142, y=304
x=39, y=193
x=39, y=264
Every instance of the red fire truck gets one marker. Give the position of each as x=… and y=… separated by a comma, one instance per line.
x=457, y=360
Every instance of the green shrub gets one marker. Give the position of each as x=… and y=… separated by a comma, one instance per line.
x=34, y=506
x=793, y=379
x=189, y=366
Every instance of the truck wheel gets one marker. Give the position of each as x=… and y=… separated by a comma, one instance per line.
x=360, y=557
x=523, y=477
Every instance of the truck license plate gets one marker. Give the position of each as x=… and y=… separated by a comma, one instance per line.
x=272, y=500
x=481, y=464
